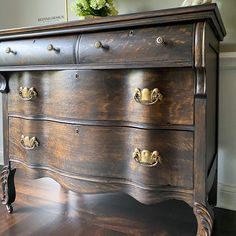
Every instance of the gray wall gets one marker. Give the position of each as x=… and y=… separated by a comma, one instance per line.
x=27, y=12
x=227, y=132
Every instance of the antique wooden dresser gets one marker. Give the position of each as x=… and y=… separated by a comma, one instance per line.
x=126, y=103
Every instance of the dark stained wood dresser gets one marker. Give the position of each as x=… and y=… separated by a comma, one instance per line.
x=126, y=103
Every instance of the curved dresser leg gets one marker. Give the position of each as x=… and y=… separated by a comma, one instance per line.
x=204, y=219
x=8, y=187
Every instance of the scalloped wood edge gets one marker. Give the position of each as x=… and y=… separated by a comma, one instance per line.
x=94, y=185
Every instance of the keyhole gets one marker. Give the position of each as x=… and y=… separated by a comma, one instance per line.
x=131, y=33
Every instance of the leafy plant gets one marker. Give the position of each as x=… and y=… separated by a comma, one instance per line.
x=94, y=8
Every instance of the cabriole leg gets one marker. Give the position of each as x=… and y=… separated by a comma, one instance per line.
x=8, y=187
x=204, y=217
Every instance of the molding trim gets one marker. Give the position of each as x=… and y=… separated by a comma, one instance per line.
x=228, y=61
x=227, y=196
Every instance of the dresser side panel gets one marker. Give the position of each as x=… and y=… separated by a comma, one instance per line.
x=212, y=74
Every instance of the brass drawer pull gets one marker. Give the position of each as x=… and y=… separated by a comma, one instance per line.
x=147, y=97
x=9, y=50
x=52, y=48
x=27, y=94
x=147, y=158
x=29, y=143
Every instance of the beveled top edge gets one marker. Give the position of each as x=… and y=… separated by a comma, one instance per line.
x=208, y=12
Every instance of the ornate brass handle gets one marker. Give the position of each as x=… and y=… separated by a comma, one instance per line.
x=29, y=143
x=9, y=50
x=52, y=48
x=147, y=97
x=147, y=158
x=27, y=94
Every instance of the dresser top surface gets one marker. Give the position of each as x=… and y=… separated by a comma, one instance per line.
x=207, y=12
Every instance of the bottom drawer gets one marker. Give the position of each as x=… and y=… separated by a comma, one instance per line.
x=98, y=151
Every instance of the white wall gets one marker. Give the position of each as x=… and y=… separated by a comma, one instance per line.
x=20, y=13
x=227, y=132
x=27, y=12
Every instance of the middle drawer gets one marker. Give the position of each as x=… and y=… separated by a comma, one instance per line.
x=150, y=96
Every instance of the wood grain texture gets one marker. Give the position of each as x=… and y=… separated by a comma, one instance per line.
x=205, y=220
x=135, y=45
x=35, y=51
x=94, y=185
x=206, y=63
x=90, y=151
x=47, y=209
x=212, y=73
x=88, y=123
x=137, y=65
x=106, y=95
x=104, y=123
x=5, y=128
x=199, y=59
x=3, y=84
x=8, y=187
x=200, y=147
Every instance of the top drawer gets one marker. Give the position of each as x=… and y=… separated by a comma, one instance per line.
x=41, y=51
x=127, y=96
x=167, y=45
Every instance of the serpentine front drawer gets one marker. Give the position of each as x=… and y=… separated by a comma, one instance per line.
x=149, y=96
x=167, y=45
x=38, y=51
x=141, y=156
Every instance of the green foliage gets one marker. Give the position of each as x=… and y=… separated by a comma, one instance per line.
x=93, y=7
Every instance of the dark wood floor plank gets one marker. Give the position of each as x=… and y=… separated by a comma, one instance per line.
x=44, y=208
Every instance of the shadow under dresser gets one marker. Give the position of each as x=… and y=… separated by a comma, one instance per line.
x=126, y=103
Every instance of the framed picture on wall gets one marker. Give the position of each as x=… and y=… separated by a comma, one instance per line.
x=25, y=13
x=49, y=12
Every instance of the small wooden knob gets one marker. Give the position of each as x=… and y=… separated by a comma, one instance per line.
x=52, y=48
x=160, y=40
x=98, y=44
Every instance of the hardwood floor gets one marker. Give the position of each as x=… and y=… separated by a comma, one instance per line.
x=44, y=208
